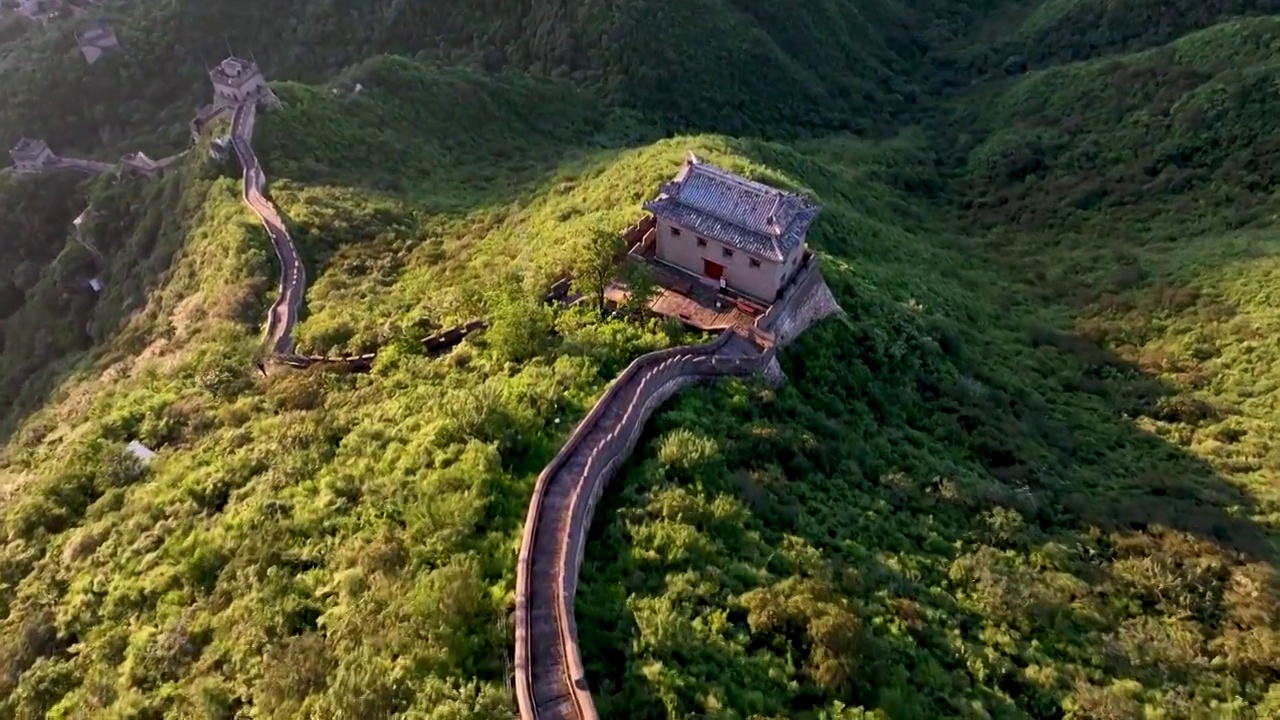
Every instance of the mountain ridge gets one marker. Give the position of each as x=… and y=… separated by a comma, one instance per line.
x=1032, y=475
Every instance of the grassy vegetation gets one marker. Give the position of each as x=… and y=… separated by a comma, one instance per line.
x=765, y=68
x=1033, y=472
x=1180, y=128
x=979, y=493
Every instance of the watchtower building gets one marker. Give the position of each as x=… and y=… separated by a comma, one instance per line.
x=236, y=80
x=742, y=235
x=31, y=156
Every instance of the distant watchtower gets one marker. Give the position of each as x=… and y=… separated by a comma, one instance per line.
x=31, y=156
x=96, y=40
x=236, y=80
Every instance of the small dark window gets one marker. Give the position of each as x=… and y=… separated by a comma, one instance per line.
x=727, y=252
x=702, y=242
x=755, y=262
x=675, y=231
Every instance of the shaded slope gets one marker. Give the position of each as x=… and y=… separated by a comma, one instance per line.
x=442, y=135
x=34, y=220
x=142, y=226
x=1019, y=34
x=1069, y=30
x=1143, y=128
x=726, y=64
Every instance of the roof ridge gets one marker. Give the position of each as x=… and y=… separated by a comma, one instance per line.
x=746, y=213
x=772, y=219
x=737, y=179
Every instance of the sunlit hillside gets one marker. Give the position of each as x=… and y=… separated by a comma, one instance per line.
x=1032, y=472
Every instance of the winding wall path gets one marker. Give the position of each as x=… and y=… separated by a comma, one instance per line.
x=137, y=161
x=293, y=276
x=550, y=679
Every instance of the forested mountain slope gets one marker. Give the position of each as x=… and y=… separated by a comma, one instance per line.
x=1173, y=126
x=1034, y=473
x=735, y=65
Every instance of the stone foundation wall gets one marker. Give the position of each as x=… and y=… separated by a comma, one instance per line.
x=816, y=303
x=805, y=301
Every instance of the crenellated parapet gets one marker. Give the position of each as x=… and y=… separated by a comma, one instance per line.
x=550, y=679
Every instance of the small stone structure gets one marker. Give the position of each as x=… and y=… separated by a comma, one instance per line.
x=142, y=163
x=33, y=10
x=742, y=235
x=32, y=156
x=96, y=40
x=236, y=80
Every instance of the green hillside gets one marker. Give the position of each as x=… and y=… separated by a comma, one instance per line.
x=1032, y=473
x=761, y=69
x=1182, y=125
x=1043, y=33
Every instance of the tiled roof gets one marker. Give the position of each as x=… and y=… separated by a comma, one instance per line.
x=97, y=33
x=28, y=146
x=744, y=214
x=233, y=70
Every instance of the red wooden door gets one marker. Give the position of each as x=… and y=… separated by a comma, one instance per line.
x=712, y=270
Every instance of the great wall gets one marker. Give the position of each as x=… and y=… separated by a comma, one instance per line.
x=32, y=156
x=283, y=313
x=549, y=676
x=550, y=680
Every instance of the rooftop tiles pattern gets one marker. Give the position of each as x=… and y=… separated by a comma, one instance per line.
x=744, y=214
